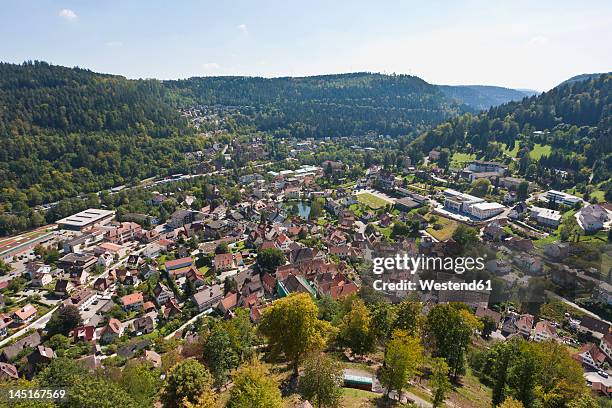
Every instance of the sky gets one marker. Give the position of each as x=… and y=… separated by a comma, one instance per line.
x=517, y=44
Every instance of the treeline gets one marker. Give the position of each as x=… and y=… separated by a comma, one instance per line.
x=328, y=105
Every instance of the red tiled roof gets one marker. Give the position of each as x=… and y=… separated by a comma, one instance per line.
x=177, y=262
x=131, y=299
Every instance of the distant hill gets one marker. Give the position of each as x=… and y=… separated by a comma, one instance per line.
x=482, y=97
x=582, y=77
x=328, y=105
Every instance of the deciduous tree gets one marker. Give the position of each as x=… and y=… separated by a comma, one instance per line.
x=322, y=381
x=292, y=327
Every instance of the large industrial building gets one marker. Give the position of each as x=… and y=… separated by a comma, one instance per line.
x=86, y=219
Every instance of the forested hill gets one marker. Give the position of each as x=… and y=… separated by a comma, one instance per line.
x=42, y=96
x=483, y=96
x=327, y=105
x=574, y=119
x=582, y=77
x=66, y=132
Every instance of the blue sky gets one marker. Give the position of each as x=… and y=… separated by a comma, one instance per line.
x=522, y=44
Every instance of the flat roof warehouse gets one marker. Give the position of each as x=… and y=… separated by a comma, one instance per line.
x=85, y=219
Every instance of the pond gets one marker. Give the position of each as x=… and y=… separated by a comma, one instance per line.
x=303, y=208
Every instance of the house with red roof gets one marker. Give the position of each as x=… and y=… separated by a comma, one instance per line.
x=24, y=315
x=226, y=262
x=84, y=333
x=544, y=330
x=132, y=301
x=111, y=331
x=182, y=264
x=590, y=355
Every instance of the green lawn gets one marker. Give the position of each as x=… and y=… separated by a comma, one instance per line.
x=459, y=160
x=596, y=195
x=539, y=151
x=448, y=228
x=514, y=151
x=372, y=201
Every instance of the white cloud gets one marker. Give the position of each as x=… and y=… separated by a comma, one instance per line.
x=67, y=14
x=211, y=66
x=538, y=41
x=114, y=44
x=243, y=28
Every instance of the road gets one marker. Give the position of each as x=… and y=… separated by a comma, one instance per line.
x=572, y=304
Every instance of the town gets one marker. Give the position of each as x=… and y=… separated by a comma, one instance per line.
x=224, y=239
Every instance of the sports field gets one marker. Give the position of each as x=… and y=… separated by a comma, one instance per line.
x=372, y=201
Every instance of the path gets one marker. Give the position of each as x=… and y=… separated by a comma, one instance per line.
x=187, y=323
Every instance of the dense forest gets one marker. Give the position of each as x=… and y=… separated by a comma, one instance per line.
x=328, y=105
x=483, y=97
x=69, y=131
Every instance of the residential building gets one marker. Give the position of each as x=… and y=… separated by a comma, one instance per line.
x=24, y=315
x=593, y=217
x=132, y=301
x=8, y=372
x=226, y=262
x=111, y=331
x=546, y=216
x=208, y=297
x=544, y=330
x=560, y=197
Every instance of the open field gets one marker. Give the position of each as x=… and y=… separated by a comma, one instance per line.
x=459, y=160
x=448, y=228
x=371, y=200
x=539, y=151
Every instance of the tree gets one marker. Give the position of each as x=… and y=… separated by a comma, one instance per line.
x=384, y=316
x=488, y=326
x=439, y=381
x=465, y=235
x=480, y=187
x=444, y=159
x=222, y=248
x=403, y=358
x=510, y=403
x=522, y=191
x=328, y=308
x=98, y=393
x=409, y=316
x=322, y=381
x=4, y=268
x=141, y=382
x=269, y=259
x=449, y=335
x=316, y=208
x=61, y=372
x=292, y=327
x=219, y=355
x=355, y=330
x=185, y=382
x=59, y=343
x=254, y=388
x=583, y=401
x=63, y=320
